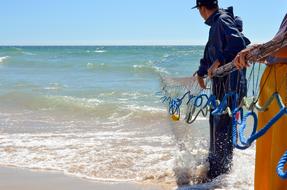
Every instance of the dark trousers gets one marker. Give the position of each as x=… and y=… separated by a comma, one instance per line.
x=221, y=147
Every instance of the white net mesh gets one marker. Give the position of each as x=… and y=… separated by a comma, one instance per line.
x=176, y=87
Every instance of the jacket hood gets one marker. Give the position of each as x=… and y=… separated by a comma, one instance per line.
x=220, y=12
x=228, y=11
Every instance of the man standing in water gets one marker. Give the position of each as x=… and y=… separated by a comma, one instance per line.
x=224, y=42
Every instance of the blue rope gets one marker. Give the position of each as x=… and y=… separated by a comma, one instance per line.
x=220, y=109
x=211, y=101
x=235, y=122
x=190, y=97
x=280, y=166
x=193, y=103
x=255, y=135
x=175, y=103
x=198, y=102
x=174, y=108
x=247, y=142
x=243, y=125
x=165, y=98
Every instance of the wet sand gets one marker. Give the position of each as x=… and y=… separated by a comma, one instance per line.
x=21, y=179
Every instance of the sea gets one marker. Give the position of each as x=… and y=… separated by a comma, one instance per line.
x=95, y=112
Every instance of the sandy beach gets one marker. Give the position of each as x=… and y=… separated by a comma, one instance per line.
x=21, y=179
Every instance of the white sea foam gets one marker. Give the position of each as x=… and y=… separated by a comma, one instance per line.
x=138, y=66
x=108, y=156
x=122, y=154
x=2, y=59
x=149, y=68
x=55, y=86
x=166, y=55
x=100, y=51
x=161, y=70
x=145, y=108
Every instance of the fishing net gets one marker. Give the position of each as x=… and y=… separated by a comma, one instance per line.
x=175, y=87
x=179, y=94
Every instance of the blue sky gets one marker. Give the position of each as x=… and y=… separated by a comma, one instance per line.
x=126, y=22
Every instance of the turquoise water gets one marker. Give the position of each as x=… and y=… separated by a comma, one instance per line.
x=112, y=73
x=93, y=112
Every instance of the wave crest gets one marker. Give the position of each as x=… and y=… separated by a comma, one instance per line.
x=2, y=59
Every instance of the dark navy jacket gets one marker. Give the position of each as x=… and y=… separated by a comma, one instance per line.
x=224, y=42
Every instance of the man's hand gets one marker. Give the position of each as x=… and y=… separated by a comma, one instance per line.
x=214, y=66
x=201, y=82
x=240, y=60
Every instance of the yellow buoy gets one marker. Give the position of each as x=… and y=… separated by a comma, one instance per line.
x=175, y=117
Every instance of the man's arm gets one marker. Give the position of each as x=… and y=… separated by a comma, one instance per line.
x=203, y=67
x=202, y=70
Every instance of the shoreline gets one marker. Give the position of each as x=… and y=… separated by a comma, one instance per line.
x=24, y=179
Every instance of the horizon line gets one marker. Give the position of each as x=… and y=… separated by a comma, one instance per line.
x=29, y=45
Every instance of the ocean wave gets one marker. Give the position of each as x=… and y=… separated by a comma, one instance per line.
x=12, y=49
x=55, y=86
x=127, y=68
x=49, y=102
x=2, y=59
x=116, y=156
x=96, y=65
x=28, y=53
x=100, y=51
x=145, y=108
x=16, y=51
x=102, y=107
x=150, y=68
x=96, y=51
x=136, y=113
x=106, y=156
